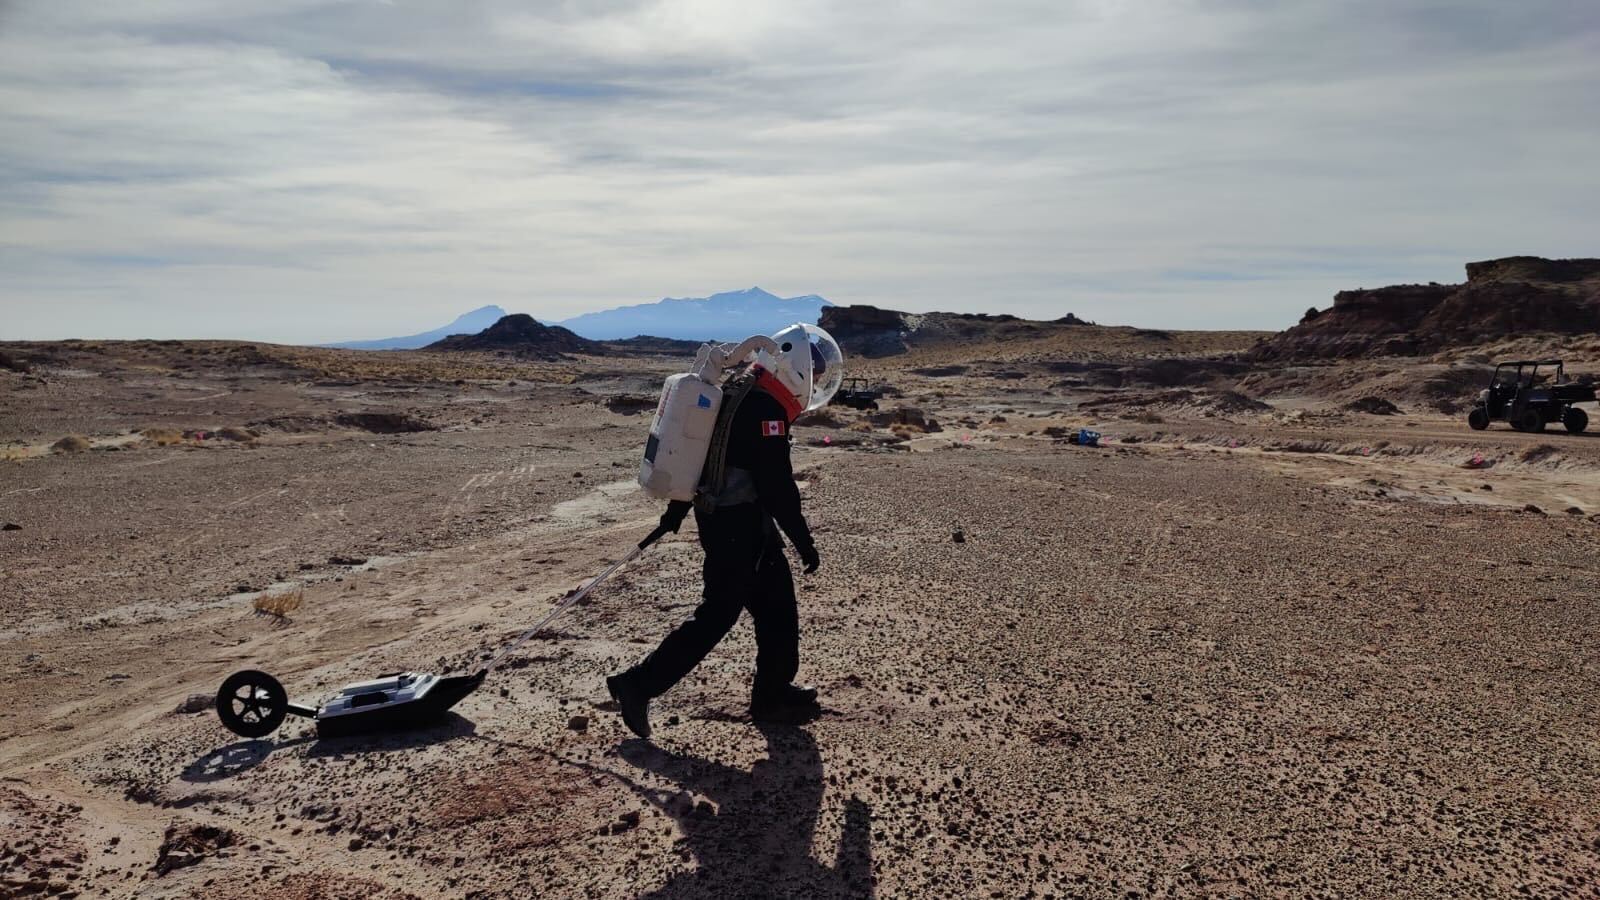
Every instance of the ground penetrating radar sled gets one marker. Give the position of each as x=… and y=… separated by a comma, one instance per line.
x=253, y=704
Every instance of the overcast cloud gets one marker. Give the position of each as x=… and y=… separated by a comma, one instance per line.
x=307, y=170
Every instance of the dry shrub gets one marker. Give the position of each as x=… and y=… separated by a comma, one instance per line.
x=162, y=437
x=72, y=443
x=235, y=433
x=279, y=606
x=822, y=418
x=861, y=425
x=1538, y=452
x=14, y=363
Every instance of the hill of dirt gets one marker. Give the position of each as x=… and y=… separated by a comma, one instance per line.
x=522, y=335
x=1502, y=298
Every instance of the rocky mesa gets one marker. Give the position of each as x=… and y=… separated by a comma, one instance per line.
x=873, y=332
x=1507, y=297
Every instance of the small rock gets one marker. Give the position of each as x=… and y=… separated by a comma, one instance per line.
x=577, y=474
x=958, y=536
x=624, y=823
x=357, y=843
x=194, y=703
x=10, y=526
x=1574, y=510
x=578, y=723
x=672, y=720
x=1530, y=508
x=340, y=559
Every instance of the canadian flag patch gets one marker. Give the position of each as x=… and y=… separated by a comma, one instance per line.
x=772, y=429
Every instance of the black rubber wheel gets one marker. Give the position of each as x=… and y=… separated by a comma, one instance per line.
x=252, y=704
x=1478, y=419
x=1575, y=419
x=1531, y=421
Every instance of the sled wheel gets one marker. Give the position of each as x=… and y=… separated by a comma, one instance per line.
x=252, y=704
x=1478, y=419
x=1532, y=422
x=1576, y=420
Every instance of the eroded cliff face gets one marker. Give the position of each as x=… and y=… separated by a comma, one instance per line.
x=1501, y=297
x=872, y=332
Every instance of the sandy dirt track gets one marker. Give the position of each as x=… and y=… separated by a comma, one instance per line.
x=1220, y=656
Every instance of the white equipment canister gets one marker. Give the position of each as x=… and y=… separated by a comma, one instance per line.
x=680, y=437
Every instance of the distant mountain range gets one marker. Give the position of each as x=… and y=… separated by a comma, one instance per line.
x=471, y=323
x=730, y=316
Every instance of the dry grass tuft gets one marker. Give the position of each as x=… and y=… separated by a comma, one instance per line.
x=162, y=437
x=72, y=443
x=279, y=606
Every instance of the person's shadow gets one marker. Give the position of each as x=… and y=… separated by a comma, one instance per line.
x=752, y=834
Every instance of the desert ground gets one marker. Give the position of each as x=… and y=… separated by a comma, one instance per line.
x=1257, y=643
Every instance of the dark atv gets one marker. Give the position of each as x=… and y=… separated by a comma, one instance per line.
x=1520, y=394
x=856, y=394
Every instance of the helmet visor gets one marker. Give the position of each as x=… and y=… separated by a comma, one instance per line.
x=827, y=367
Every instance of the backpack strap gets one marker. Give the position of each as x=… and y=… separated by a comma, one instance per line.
x=714, y=477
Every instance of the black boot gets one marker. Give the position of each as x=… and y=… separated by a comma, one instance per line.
x=632, y=703
x=785, y=700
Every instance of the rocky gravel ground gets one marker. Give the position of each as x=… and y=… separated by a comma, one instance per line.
x=1170, y=667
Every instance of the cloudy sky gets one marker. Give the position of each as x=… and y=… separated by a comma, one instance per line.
x=315, y=170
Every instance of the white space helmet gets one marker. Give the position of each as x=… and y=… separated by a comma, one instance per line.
x=809, y=363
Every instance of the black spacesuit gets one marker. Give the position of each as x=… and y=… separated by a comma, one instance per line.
x=745, y=566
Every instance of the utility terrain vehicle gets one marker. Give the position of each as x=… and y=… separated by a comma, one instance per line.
x=857, y=394
x=1531, y=394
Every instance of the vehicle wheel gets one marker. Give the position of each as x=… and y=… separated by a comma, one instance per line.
x=1575, y=419
x=1531, y=421
x=1478, y=419
x=252, y=704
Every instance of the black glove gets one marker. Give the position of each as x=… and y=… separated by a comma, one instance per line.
x=672, y=519
x=808, y=556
